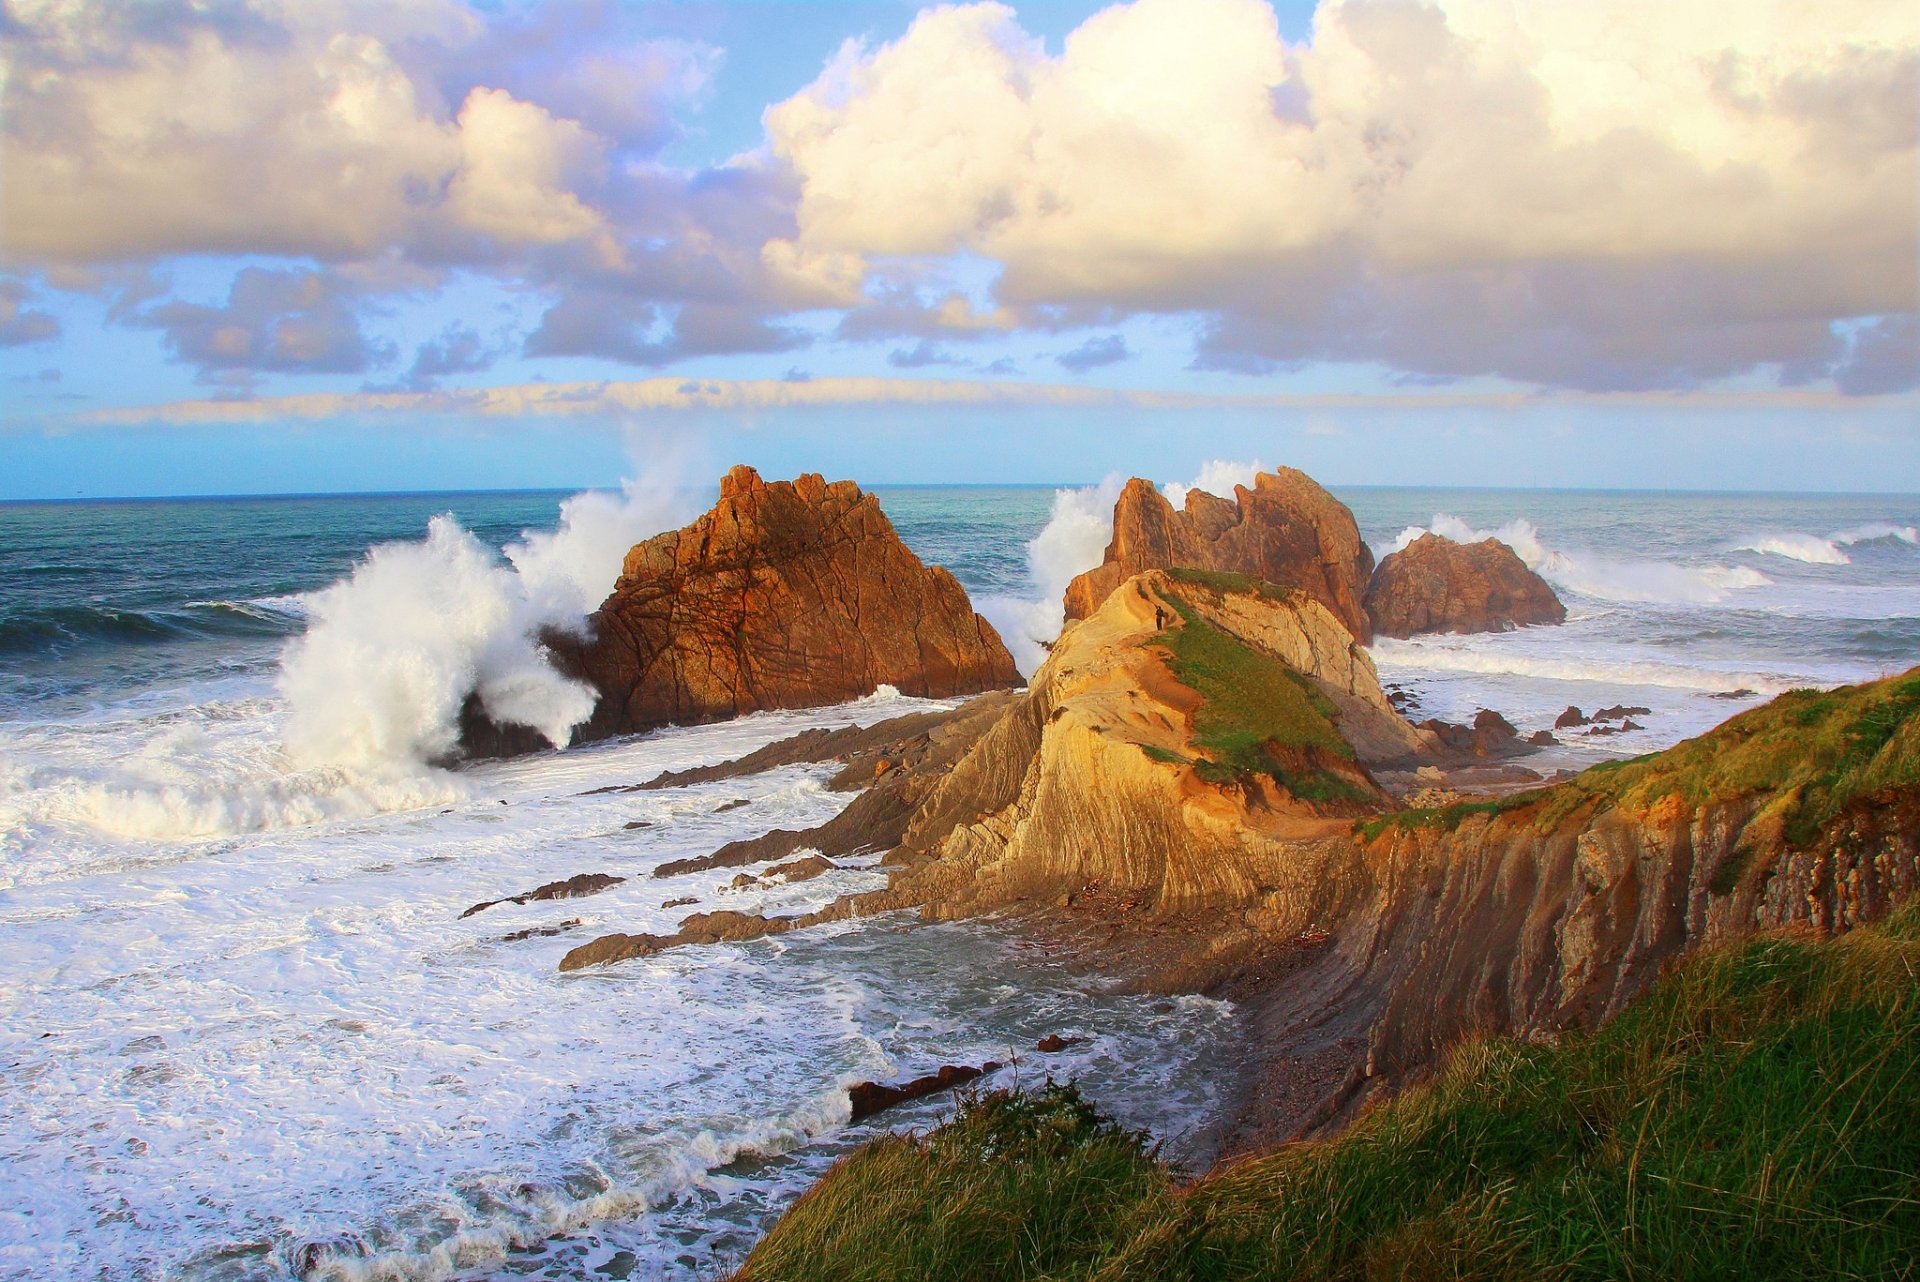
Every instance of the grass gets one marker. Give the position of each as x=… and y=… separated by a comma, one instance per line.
x=1257, y=715
x=1224, y=581
x=1755, y=1115
x=1814, y=752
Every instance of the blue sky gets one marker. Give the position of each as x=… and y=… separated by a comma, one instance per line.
x=261, y=247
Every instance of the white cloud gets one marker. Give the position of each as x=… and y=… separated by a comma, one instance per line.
x=613, y=398
x=1622, y=193
x=310, y=129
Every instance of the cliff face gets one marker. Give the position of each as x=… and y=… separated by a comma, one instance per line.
x=1398, y=931
x=1286, y=530
x=1437, y=585
x=788, y=594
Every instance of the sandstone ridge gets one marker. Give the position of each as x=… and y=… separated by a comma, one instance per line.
x=1285, y=530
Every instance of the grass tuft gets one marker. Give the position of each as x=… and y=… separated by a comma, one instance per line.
x=1257, y=715
x=1755, y=1115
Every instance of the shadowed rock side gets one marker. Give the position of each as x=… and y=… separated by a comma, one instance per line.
x=1286, y=530
x=1365, y=946
x=1190, y=777
x=1437, y=585
x=790, y=594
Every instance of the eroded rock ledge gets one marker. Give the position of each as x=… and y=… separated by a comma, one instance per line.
x=1192, y=772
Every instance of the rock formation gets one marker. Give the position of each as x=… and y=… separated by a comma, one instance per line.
x=1286, y=530
x=789, y=594
x=1178, y=746
x=1437, y=585
x=1192, y=771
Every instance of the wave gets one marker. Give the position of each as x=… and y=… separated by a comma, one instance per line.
x=1456, y=655
x=1597, y=577
x=508, y=1216
x=1807, y=548
x=58, y=629
x=1832, y=550
x=392, y=651
x=1877, y=532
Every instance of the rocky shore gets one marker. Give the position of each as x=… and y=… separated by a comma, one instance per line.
x=1206, y=789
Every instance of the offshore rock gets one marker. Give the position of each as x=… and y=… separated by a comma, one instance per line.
x=789, y=594
x=1286, y=530
x=1437, y=585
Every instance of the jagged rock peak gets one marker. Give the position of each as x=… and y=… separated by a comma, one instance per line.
x=1437, y=585
x=1285, y=530
x=787, y=594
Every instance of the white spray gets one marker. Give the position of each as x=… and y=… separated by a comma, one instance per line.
x=392, y=651
x=1597, y=577
x=1074, y=541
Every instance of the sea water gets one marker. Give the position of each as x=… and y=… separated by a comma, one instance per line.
x=245, y=1030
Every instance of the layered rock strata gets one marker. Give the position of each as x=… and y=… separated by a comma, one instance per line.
x=1286, y=530
x=1437, y=585
x=1191, y=773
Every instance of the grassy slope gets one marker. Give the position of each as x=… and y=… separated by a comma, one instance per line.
x=1814, y=751
x=1257, y=715
x=1756, y=1115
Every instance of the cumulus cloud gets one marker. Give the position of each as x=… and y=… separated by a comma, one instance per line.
x=1616, y=194
x=288, y=322
x=276, y=128
x=922, y=354
x=18, y=324
x=1884, y=358
x=1109, y=349
x=389, y=144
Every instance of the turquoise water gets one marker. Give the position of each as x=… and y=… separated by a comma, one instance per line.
x=245, y=1030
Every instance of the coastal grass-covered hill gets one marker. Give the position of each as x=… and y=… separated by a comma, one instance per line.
x=1658, y=1019
x=1751, y=1116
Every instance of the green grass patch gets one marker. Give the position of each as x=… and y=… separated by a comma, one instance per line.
x=1165, y=756
x=1224, y=581
x=1816, y=750
x=1754, y=1115
x=1257, y=715
x=1446, y=818
x=1015, y=1186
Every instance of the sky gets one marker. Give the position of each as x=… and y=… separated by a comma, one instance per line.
x=258, y=246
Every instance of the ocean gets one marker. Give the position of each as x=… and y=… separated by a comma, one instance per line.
x=246, y=1033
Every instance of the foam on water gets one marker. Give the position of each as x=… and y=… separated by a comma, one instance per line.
x=243, y=1028
x=238, y=1057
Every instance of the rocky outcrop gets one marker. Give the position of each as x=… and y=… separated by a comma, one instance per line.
x=586, y=883
x=788, y=594
x=1437, y=585
x=864, y=1099
x=1286, y=530
x=1178, y=745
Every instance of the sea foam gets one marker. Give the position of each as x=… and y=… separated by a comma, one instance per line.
x=1074, y=540
x=392, y=652
x=1592, y=575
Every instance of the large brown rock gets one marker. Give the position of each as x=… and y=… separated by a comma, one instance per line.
x=1437, y=585
x=1285, y=530
x=789, y=594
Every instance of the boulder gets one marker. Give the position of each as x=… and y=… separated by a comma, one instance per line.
x=1437, y=585
x=788, y=594
x=1286, y=530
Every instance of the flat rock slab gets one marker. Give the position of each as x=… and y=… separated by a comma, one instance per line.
x=868, y=1098
x=586, y=883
